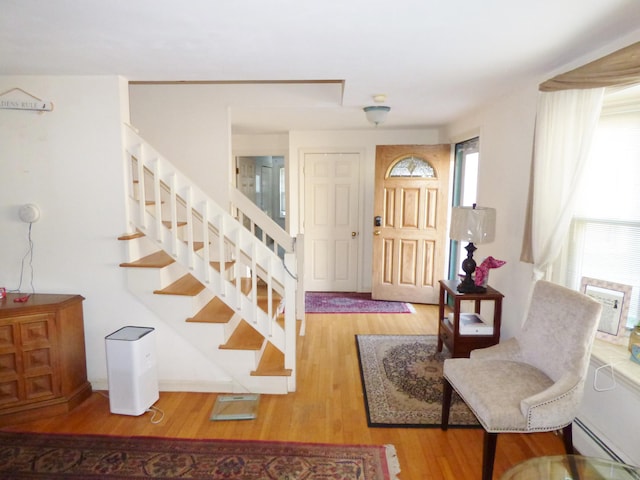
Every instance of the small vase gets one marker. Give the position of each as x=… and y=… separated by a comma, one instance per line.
x=634, y=338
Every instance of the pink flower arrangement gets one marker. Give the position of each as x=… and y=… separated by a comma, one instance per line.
x=482, y=270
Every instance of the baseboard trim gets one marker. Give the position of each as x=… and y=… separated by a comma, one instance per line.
x=200, y=387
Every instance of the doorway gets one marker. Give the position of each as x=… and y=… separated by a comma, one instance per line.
x=262, y=179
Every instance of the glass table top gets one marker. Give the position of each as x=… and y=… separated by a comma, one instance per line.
x=571, y=467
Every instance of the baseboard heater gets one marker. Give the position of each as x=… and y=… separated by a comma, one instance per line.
x=600, y=444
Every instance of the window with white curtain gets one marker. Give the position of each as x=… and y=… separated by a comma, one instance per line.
x=605, y=231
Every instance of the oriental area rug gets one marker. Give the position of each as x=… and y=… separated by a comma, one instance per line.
x=351, y=302
x=46, y=456
x=402, y=382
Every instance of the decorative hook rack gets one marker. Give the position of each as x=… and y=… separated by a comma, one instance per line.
x=32, y=103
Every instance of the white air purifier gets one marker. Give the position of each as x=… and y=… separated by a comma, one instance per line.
x=131, y=370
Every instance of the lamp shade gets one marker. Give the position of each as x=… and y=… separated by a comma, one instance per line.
x=473, y=224
x=376, y=114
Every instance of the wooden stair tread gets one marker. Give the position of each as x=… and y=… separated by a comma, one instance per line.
x=244, y=337
x=167, y=223
x=196, y=245
x=216, y=311
x=263, y=303
x=263, y=298
x=245, y=285
x=187, y=285
x=157, y=259
x=271, y=363
x=131, y=236
x=227, y=265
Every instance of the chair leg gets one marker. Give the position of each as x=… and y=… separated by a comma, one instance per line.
x=567, y=439
x=488, y=454
x=447, y=391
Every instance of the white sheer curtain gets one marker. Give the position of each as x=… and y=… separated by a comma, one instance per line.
x=565, y=126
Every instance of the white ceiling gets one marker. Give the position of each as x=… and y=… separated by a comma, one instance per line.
x=434, y=60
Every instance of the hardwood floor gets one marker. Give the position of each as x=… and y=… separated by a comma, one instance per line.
x=327, y=407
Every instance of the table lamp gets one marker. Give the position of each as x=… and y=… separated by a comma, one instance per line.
x=475, y=225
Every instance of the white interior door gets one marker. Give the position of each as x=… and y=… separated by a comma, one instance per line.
x=246, y=176
x=331, y=221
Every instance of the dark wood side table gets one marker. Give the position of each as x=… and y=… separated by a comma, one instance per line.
x=449, y=333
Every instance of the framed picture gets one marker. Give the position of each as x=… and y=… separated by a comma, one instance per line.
x=614, y=298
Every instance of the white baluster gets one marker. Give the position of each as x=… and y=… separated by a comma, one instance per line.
x=157, y=198
x=205, y=238
x=173, y=206
x=190, y=226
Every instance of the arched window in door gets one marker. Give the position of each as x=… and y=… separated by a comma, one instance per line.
x=413, y=167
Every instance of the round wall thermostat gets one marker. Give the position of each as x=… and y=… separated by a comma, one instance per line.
x=29, y=213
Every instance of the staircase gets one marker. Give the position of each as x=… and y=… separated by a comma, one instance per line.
x=227, y=284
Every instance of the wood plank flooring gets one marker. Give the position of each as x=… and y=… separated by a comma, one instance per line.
x=327, y=407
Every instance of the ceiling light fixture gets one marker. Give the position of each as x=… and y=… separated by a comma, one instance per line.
x=377, y=114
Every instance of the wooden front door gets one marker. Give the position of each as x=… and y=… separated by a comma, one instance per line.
x=410, y=220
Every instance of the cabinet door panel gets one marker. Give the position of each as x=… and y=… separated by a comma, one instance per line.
x=39, y=356
x=9, y=392
x=39, y=386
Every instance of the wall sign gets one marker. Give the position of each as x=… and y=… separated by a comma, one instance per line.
x=23, y=101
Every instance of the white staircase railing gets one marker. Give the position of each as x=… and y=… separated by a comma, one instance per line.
x=274, y=237
x=175, y=214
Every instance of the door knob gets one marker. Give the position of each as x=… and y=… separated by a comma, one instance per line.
x=377, y=232
x=353, y=234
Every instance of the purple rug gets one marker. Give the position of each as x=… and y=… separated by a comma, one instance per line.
x=350, y=302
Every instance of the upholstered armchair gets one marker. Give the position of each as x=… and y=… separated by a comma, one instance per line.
x=534, y=381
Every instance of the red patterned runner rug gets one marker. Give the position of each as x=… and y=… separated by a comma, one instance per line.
x=40, y=456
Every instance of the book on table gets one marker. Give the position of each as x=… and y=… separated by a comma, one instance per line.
x=472, y=324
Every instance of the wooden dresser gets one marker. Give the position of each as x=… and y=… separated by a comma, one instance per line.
x=43, y=368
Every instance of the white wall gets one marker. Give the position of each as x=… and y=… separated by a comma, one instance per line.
x=190, y=127
x=506, y=140
x=70, y=163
